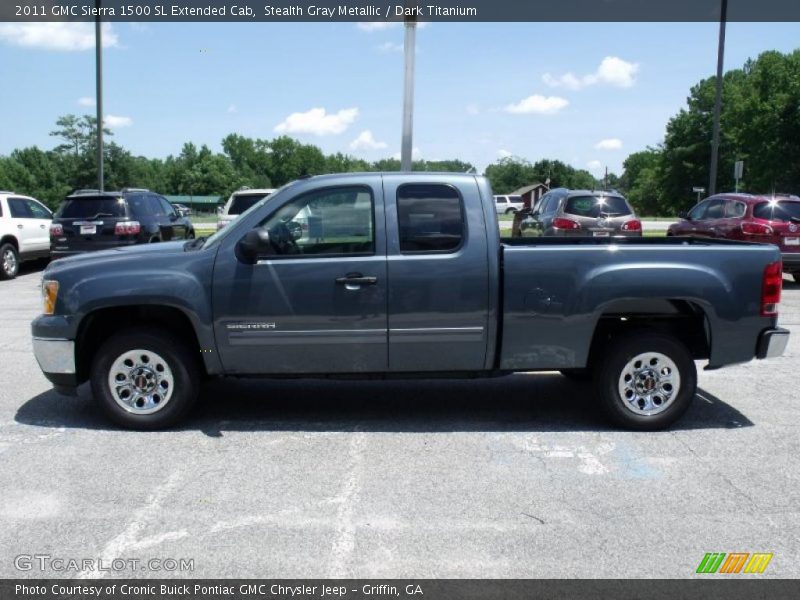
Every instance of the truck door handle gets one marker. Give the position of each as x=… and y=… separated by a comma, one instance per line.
x=355, y=279
x=20, y=226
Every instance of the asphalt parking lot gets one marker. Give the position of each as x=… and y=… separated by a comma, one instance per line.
x=512, y=477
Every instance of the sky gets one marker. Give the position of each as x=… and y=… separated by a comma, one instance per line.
x=588, y=94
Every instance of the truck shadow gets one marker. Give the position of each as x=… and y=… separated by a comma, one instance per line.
x=545, y=402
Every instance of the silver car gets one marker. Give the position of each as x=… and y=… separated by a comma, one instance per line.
x=580, y=213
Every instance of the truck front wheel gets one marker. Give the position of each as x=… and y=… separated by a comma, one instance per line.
x=646, y=380
x=145, y=379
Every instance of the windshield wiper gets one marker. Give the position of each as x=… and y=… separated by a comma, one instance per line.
x=101, y=214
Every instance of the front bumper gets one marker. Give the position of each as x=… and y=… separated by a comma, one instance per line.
x=772, y=343
x=56, y=358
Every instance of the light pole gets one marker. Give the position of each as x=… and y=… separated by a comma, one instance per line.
x=407, y=146
x=712, y=179
x=98, y=49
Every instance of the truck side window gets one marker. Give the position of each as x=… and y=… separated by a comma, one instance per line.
x=430, y=218
x=333, y=221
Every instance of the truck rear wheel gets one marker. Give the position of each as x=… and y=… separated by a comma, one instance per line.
x=646, y=380
x=145, y=379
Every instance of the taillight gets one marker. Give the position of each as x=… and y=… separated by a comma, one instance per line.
x=771, y=285
x=756, y=229
x=562, y=223
x=127, y=228
x=632, y=225
x=56, y=230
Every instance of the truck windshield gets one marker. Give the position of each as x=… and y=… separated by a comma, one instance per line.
x=781, y=210
x=241, y=202
x=596, y=206
x=90, y=206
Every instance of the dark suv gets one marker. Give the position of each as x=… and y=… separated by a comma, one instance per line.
x=91, y=220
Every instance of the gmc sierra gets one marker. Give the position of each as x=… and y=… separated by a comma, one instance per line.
x=403, y=275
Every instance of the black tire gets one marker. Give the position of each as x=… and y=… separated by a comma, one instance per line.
x=8, y=268
x=581, y=375
x=511, y=211
x=620, y=354
x=191, y=234
x=180, y=360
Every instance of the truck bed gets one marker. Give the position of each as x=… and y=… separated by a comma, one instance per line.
x=555, y=291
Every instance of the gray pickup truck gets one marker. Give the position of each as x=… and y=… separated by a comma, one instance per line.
x=403, y=275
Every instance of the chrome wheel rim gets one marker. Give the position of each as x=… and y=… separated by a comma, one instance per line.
x=9, y=262
x=141, y=382
x=649, y=383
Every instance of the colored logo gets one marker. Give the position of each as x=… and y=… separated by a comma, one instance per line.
x=734, y=562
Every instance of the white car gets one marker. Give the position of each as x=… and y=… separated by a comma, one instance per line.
x=239, y=202
x=24, y=232
x=505, y=205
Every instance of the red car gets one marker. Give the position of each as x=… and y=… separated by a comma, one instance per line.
x=768, y=219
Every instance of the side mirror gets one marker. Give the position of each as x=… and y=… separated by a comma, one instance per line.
x=683, y=215
x=255, y=243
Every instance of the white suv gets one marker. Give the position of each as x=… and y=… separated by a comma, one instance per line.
x=239, y=202
x=24, y=232
x=505, y=205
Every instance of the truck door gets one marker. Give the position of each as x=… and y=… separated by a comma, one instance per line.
x=438, y=274
x=317, y=304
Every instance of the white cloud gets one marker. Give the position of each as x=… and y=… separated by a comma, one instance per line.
x=594, y=165
x=611, y=71
x=61, y=37
x=473, y=109
x=86, y=101
x=609, y=144
x=567, y=80
x=366, y=141
x=232, y=109
x=115, y=122
x=390, y=47
x=543, y=105
x=504, y=153
x=318, y=122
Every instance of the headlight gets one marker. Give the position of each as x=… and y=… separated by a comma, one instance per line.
x=49, y=295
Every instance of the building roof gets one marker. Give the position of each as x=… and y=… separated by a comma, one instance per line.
x=190, y=200
x=526, y=189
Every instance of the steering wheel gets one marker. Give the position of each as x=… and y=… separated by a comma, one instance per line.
x=282, y=237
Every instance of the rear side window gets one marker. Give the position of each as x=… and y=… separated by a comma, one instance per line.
x=596, y=206
x=735, y=209
x=430, y=218
x=19, y=208
x=782, y=210
x=90, y=207
x=140, y=205
x=241, y=202
x=155, y=205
